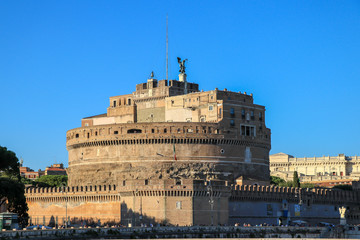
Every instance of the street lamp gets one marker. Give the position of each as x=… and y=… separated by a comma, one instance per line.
x=66, y=200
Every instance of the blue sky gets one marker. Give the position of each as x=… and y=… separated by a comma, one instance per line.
x=61, y=60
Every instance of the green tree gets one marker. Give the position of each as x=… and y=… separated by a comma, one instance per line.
x=12, y=190
x=276, y=180
x=51, y=181
x=307, y=185
x=296, y=180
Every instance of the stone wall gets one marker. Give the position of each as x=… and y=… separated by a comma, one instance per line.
x=113, y=153
x=185, y=202
x=159, y=202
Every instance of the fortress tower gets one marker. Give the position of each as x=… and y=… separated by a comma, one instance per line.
x=166, y=153
x=168, y=129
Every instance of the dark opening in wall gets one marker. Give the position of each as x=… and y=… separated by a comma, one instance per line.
x=88, y=135
x=152, y=130
x=178, y=182
x=146, y=182
x=77, y=135
x=124, y=183
x=95, y=133
x=134, y=131
x=165, y=130
x=116, y=132
x=232, y=112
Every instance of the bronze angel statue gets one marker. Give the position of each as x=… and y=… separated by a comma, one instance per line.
x=182, y=65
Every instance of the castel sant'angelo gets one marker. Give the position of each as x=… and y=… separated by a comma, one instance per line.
x=169, y=130
x=170, y=154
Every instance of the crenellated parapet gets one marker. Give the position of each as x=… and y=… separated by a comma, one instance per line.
x=306, y=195
x=154, y=188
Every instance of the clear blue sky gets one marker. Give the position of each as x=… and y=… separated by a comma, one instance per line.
x=61, y=60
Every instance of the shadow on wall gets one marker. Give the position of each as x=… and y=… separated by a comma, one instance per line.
x=128, y=218
x=131, y=218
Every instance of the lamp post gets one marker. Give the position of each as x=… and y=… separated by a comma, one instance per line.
x=66, y=200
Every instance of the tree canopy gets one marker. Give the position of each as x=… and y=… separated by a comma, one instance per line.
x=282, y=183
x=9, y=163
x=12, y=190
x=51, y=181
x=296, y=180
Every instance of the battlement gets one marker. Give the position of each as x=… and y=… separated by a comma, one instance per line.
x=274, y=193
x=149, y=188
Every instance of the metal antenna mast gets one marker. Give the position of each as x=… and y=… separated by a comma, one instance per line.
x=167, y=49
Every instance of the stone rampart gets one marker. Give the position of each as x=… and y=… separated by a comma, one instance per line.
x=274, y=193
x=166, y=202
x=121, y=152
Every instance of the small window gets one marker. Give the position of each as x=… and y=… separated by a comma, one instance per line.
x=220, y=112
x=211, y=97
x=95, y=133
x=243, y=113
x=232, y=112
x=260, y=116
x=178, y=205
x=88, y=135
x=165, y=130
x=114, y=104
x=152, y=130
x=146, y=182
x=124, y=183
x=232, y=122
x=210, y=108
x=116, y=132
x=86, y=124
x=252, y=115
x=178, y=182
x=129, y=101
x=77, y=135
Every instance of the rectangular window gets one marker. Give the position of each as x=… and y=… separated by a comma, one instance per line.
x=252, y=115
x=116, y=132
x=243, y=113
x=114, y=104
x=260, y=116
x=248, y=130
x=232, y=122
x=232, y=112
x=178, y=205
x=210, y=108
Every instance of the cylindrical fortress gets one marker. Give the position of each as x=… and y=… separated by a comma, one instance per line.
x=115, y=153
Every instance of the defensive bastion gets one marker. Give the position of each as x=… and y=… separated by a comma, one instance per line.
x=170, y=154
